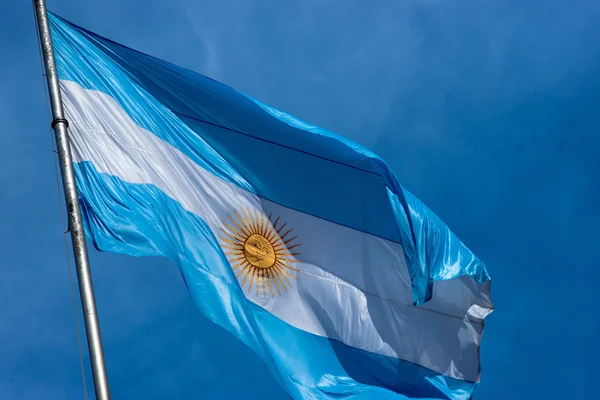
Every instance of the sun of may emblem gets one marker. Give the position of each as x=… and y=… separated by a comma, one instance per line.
x=260, y=252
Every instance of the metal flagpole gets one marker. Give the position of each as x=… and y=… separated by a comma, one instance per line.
x=84, y=277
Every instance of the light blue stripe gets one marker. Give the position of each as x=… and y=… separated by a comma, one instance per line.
x=140, y=220
x=268, y=152
x=79, y=61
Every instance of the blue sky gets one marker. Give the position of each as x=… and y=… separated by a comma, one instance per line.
x=489, y=111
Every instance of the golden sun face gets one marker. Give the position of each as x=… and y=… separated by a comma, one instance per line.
x=259, y=253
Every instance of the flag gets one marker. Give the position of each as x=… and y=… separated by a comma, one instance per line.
x=298, y=241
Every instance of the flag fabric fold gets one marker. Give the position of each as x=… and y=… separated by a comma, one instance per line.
x=299, y=242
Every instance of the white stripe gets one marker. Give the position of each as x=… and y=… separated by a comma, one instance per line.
x=351, y=286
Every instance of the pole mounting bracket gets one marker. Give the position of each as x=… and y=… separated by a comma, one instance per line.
x=56, y=121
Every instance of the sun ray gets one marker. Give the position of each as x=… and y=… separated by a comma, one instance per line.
x=247, y=221
x=247, y=268
x=235, y=253
x=250, y=220
x=241, y=228
x=237, y=246
x=275, y=223
x=281, y=228
x=289, y=257
x=288, y=254
x=258, y=280
x=290, y=240
x=268, y=226
x=252, y=275
x=282, y=273
x=239, y=265
x=283, y=247
x=234, y=247
x=229, y=241
x=251, y=223
x=236, y=231
x=288, y=248
x=272, y=228
x=285, y=234
x=285, y=265
x=261, y=218
x=263, y=274
x=263, y=285
x=236, y=259
x=258, y=222
x=235, y=235
x=279, y=241
x=286, y=251
x=278, y=277
x=255, y=279
x=269, y=279
x=291, y=277
x=291, y=261
x=254, y=221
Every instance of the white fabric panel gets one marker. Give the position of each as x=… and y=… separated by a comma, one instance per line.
x=461, y=297
x=351, y=286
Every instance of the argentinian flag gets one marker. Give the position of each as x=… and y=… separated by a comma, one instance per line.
x=299, y=242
